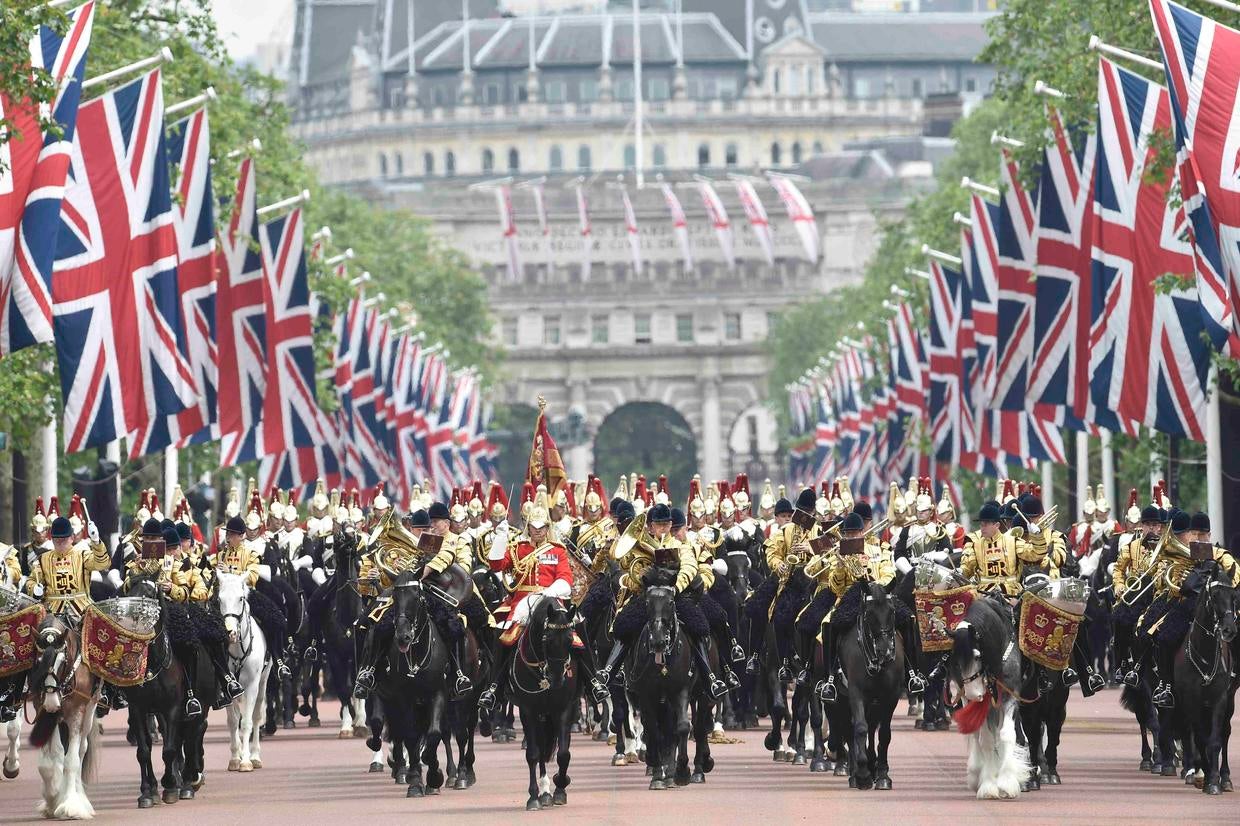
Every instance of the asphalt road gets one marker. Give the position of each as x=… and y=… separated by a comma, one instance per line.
x=310, y=776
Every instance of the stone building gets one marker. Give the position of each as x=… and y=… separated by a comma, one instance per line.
x=729, y=87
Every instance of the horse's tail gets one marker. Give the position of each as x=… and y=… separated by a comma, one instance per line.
x=94, y=745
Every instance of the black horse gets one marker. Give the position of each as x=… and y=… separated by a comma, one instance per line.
x=173, y=669
x=545, y=688
x=1202, y=682
x=871, y=655
x=332, y=613
x=413, y=690
x=661, y=676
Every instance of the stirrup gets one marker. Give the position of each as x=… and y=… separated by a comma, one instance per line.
x=916, y=683
x=7, y=714
x=311, y=653
x=364, y=683
x=282, y=670
x=233, y=688
x=738, y=653
x=1132, y=677
x=718, y=688
x=118, y=700
x=752, y=665
x=785, y=672
x=486, y=700
x=729, y=677
x=1095, y=682
x=599, y=691
x=1070, y=677
x=1163, y=696
x=1118, y=675
x=826, y=690
x=464, y=685
x=193, y=708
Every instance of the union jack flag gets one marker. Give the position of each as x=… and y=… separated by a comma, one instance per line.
x=1147, y=360
x=945, y=402
x=33, y=184
x=718, y=215
x=241, y=327
x=800, y=213
x=982, y=259
x=366, y=351
x=189, y=148
x=291, y=414
x=114, y=288
x=1202, y=59
x=826, y=432
x=1017, y=240
x=299, y=469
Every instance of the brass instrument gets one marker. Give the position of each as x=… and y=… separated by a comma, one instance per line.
x=815, y=563
x=634, y=536
x=1136, y=586
x=1042, y=523
x=393, y=540
x=878, y=527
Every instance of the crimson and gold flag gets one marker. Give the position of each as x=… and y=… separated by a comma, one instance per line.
x=545, y=467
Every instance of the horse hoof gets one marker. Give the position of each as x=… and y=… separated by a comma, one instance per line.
x=1199, y=781
x=145, y=802
x=415, y=791
x=1146, y=765
x=234, y=765
x=172, y=795
x=650, y=771
x=361, y=731
x=658, y=785
x=560, y=798
x=245, y=766
x=818, y=766
x=315, y=722
x=682, y=779
x=790, y=757
x=1045, y=776
x=373, y=743
x=200, y=781
x=798, y=759
x=1169, y=770
x=470, y=779
x=883, y=784
x=10, y=774
x=631, y=759
x=544, y=800
x=459, y=784
x=1212, y=788
x=600, y=736
x=852, y=782
x=375, y=768
x=1034, y=784
x=771, y=741
x=401, y=777
x=531, y=805
x=1227, y=786
x=256, y=763
x=1053, y=778
x=619, y=760
x=840, y=769
x=344, y=735
x=187, y=793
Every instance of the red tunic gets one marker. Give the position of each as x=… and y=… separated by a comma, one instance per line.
x=552, y=565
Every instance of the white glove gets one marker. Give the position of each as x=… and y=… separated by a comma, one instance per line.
x=903, y=565
x=95, y=576
x=264, y=573
x=38, y=591
x=560, y=588
x=937, y=556
x=1111, y=570
x=114, y=578
x=92, y=530
x=720, y=567
x=303, y=562
x=499, y=542
x=319, y=576
x=735, y=533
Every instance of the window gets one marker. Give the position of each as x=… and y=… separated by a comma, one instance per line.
x=488, y=160
x=810, y=74
x=449, y=163
x=587, y=90
x=520, y=93
x=796, y=152
x=551, y=329
x=660, y=156
x=382, y=165
x=510, y=332
x=970, y=84
x=729, y=154
x=817, y=147
x=514, y=160
x=400, y=164
x=490, y=94
x=727, y=88
x=624, y=89
x=732, y=326
x=630, y=156
x=657, y=88
x=599, y=332
x=553, y=91
x=776, y=154
x=794, y=80
x=916, y=87
x=641, y=328
x=684, y=328
x=772, y=321
x=775, y=79
x=861, y=87
x=703, y=155
x=428, y=163
x=555, y=161
x=439, y=96
x=583, y=158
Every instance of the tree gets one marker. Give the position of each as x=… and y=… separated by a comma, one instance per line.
x=23, y=88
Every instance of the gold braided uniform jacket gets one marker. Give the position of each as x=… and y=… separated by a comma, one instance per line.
x=188, y=584
x=1174, y=567
x=11, y=570
x=243, y=561
x=992, y=563
x=65, y=576
x=781, y=559
x=1133, y=560
x=669, y=553
x=1048, y=550
x=705, y=557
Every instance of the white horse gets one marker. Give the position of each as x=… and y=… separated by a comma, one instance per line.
x=12, y=757
x=247, y=656
x=65, y=698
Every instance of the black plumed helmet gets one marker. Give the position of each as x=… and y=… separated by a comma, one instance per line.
x=806, y=500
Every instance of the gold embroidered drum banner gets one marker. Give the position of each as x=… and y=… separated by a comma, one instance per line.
x=18, y=631
x=113, y=653
x=1047, y=633
x=938, y=614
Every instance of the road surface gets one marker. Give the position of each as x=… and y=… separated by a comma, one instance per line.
x=310, y=776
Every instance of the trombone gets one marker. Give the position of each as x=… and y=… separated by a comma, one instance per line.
x=1135, y=587
x=1042, y=523
x=815, y=563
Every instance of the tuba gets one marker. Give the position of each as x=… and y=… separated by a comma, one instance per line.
x=397, y=544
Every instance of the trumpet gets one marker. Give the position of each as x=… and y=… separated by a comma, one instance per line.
x=1135, y=587
x=1043, y=522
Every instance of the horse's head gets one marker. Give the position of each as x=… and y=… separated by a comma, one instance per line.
x=1223, y=603
x=143, y=585
x=966, y=674
x=552, y=620
x=233, y=596
x=878, y=626
x=661, y=617
x=56, y=647
x=409, y=605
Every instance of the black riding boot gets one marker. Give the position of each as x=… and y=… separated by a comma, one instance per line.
x=804, y=644
x=1164, y=659
x=463, y=684
x=701, y=653
x=757, y=642
x=916, y=680
x=826, y=688
x=722, y=642
x=1083, y=661
x=1132, y=676
x=1122, y=644
x=489, y=697
x=230, y=689
x=364, y=683
x=589, y=669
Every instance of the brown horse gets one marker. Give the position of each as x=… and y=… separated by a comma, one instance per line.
x=65, y=694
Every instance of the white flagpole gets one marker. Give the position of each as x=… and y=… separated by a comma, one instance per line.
x=1214, y=459
x=50, y=459
x=1082, y=470
x=172, y=472
x=638, y=126
x=1108, y=467
x=164, y=56
x=113, y=455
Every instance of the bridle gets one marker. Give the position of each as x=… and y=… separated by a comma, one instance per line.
x=874, y=662
x=541, y=662
x=1220, y=649
x=418, y=626
x=245, y=635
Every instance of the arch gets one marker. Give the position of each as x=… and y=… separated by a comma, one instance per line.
x=449, y=163
x=555, y=158
x=583, y=158
x=514, y=160
x=796, y=152
x=660, y=156
x=488, y=160
x=428, y=163
x=776, y=154
x=647, y=437
x=730, y=155
x=400, y=165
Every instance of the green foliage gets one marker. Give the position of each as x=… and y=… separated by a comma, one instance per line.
x=19, y=22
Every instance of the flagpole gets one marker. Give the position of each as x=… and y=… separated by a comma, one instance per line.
x=172, y=472
x=163, y=56
x=50, y=459
x=638, y=127
x=113, y=454
x=1082, y=470
x=1108, y=466
x=1214, y=458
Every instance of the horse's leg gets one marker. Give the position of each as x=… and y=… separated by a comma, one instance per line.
x=681, y=727
x=1055, y=718
x=1224, y=771
x=256, y=743
x=619, y=722
x=654, y=734
x=247, y=704
x=818, y=762
x=171, y=781
x=1210, y=741
x=1031, y=724
x=563, y=754
x=702, y=725
x=861, y=777
x=433, y=734
x=529, y=724
x=882, y=774
x=775, y=737
x=12, y=757
x=74, y=804
x=142, y=736
x=450, y=766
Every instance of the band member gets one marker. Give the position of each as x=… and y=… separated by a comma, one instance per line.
x=61, y=577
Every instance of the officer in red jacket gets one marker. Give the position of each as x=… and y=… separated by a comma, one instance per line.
x=539, y=568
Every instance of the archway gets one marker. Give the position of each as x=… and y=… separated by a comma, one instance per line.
x=649, y=438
